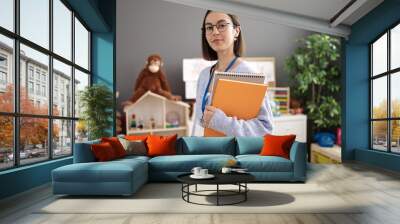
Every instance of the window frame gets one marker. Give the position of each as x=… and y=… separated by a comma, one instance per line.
x=16, y=114
x=388, y=74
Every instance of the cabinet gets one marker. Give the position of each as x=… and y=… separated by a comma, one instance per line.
x=291, y=124
x=325, y=154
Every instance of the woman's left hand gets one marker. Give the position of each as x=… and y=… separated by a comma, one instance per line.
x=208, y=114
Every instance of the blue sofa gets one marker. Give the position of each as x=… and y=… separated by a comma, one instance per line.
x=125, y=176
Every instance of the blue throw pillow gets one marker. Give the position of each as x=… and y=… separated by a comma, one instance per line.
x=249, y=145
x=208, y=145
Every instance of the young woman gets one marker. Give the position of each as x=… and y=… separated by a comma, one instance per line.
x=222, y=41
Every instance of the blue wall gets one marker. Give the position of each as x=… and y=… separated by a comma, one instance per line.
x=24, y=178
x=103, y=51
x=99, y=15
x=356, y=89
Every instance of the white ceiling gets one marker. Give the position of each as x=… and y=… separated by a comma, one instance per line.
x=318, y=9
x=313, y=15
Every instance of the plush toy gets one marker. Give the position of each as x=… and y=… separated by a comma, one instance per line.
x=153, y=79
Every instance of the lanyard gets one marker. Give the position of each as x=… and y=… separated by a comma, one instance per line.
x=206, y=93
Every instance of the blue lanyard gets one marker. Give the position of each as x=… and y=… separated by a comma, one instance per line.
x=206, y=93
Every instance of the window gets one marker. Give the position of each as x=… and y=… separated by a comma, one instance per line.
x=6, y=73
x=34, y=21
x=3, y=72
x=30, y=72
x=81, y=45
x=37, y=75
x=54, y=126
x=38, y=89
x=3, y=78
x=43, y=77
x=385, y=96
x=7, y=14
x=30, y=87
x=62, y=31
x=44, y=91
x=3, y=61
x=62, y=74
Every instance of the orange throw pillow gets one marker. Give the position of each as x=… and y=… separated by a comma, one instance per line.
x=116, y=145
x=161, y=145
x=275, y=145
x=103, y=152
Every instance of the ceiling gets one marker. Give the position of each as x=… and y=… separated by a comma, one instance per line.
x=318, y=9
x=315, y=15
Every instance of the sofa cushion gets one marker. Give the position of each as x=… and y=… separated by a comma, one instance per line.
x=132, y=158
x=257, y=163
x=103, y=152
x=112, y=171
x=249, y=145
x=207, y=145
x=185, y=163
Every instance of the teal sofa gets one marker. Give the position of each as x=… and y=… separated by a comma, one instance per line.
x=125, y=176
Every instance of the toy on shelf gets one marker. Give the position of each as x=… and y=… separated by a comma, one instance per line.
x=172, y=119
x=152, y=78
x=140, y=124
x=280, y=98
x=133, y=121
x=152, y=123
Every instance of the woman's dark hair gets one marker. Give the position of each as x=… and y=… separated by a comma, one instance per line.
x=208, y=53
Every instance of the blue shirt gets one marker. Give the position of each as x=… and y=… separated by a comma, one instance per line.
x=231, y=126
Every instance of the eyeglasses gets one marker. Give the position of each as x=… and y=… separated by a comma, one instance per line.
x=221, y=27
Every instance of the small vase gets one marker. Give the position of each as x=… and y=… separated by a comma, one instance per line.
x=339, y=136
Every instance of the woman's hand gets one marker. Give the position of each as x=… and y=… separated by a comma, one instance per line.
x=208, y=114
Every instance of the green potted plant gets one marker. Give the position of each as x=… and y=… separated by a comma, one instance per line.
x=314, y=69
x=96, y=102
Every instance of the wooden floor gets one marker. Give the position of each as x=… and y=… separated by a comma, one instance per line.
x=377, y=188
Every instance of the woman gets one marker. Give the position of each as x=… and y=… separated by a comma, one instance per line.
x=222, y=41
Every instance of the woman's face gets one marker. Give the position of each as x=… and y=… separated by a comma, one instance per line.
x=220, y=32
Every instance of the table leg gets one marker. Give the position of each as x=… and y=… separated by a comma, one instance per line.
x=217, y=194
x=245, y=193
x=196, y=188
x=188, y=190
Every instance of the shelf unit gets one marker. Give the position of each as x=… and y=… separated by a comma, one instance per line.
x=281, y=96
x=153, y=106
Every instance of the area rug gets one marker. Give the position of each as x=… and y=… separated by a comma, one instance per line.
x=167, y=198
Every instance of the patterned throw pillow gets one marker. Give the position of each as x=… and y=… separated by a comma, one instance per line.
x=135, y=147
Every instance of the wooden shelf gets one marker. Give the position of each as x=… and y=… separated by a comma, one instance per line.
x=137, y=131
x=152, y=107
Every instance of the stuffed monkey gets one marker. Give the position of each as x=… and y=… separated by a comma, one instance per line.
x=153, y=78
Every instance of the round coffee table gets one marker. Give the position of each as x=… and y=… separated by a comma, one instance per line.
x=238, y=179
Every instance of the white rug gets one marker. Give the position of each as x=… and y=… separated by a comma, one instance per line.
x=166, y=198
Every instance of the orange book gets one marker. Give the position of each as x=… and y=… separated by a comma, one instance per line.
x=237, y=99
